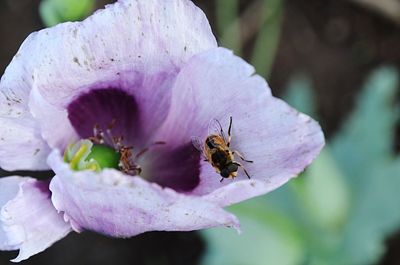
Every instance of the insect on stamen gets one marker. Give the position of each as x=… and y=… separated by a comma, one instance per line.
x=104, y=150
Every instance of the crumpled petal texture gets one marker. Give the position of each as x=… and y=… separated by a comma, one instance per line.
x=122, y=206
x=214, y=84
x=152, y=36
x=280, y=140
x=22, y=147
x=129, y=45
x=28, y=220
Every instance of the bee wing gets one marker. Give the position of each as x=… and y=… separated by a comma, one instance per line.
x=215, y=127
x=198, y=144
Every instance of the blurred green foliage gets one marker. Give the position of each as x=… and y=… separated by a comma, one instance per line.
x=342, y=208
x=228, y=25
x=53, y=12
x=260, y=22
x=268, y=38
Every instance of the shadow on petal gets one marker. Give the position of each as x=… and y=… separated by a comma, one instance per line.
x=178, y=169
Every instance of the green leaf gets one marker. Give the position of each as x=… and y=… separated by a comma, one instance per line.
x=375, y=215
x=299, y=94
x=228, y=24
x=363, y=149
x=49, y=14
x=267, y=238
x=53, y=12
x=367, y=137
x=323, y=193
x=268, y=39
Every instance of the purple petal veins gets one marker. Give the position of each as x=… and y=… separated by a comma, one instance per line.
x=177, y=167
x=103, y=107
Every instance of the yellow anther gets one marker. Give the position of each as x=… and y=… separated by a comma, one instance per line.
x=77, y=153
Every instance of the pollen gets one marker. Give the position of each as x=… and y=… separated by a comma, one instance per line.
x=84, y=155
x=103, y=150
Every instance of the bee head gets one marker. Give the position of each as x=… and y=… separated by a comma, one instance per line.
x=232, y=167
x=227, y=171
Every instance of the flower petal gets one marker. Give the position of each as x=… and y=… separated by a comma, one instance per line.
x=241, y=190
x=9, y=188
x=22, y=147
x=28, y=220
x=136, y=104
x=151, y=36
x=177, y=168
x=216, y=85
x=55, y=127
x=21, y=144
x=137, y=46
x=119, y=205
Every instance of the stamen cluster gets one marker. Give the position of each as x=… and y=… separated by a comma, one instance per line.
x=102, y=150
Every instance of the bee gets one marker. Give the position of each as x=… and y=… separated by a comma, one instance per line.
x=216, y=150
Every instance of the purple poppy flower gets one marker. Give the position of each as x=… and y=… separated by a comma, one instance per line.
x=111, y=105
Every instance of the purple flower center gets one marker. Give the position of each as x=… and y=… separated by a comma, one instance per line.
x=103, y=107
x=112, y=109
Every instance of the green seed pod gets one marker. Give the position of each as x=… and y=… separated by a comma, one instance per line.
x=84, y=155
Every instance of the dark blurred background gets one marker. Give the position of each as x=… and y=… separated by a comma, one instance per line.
x=336, y=42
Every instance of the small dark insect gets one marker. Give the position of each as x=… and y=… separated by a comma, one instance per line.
x=217, y=152
x=127, y=161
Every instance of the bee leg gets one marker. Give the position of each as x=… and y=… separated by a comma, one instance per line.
x=245, y=171
x=221, y=180
x=242, y=157
x=138, y=169
x=133, y=170
x=229, y=132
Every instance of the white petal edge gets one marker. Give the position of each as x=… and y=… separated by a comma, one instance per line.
x=118, y=205
x=29, y=222
x=146, y=37
x=125, y=36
